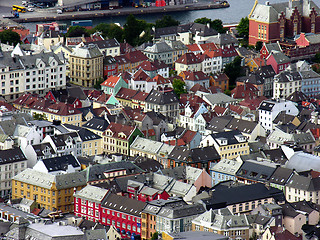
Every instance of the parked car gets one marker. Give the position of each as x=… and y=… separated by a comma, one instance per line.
x=30, y=9
x=59, y=11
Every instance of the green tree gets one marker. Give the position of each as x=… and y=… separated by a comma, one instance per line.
x=203, y=20
x=133, y=29
x=243, y=27
x=39, y=116
x=155, y=236
x=316, y=58
x=218, y=26
x=233, y=70
x=115, y=32
x=259, y=45
x=98, y=84
x=179, y=86
x=166, y=21
x=103, y=28
x=9, y=36
x=77, y=31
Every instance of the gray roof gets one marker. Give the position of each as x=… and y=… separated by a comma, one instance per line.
x=223, y=39
x=199, y=235
x=159, y=47
x=243, y=126
x=313, y=38
x=287, y=76
x=309, y=74
x=162, y=97
x=264, y=13
x=11, y=155
x=61, y=163
x=107, y=43
x=91, y=193
x=281, y=176
x=87, y=51
x=46, y=180
x=273, y=47
x=230, y=136
x=279, y=57
x=218, y=98
x=256, y=170
x=227, y=166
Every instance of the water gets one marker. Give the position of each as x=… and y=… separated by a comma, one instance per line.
x=233, y=14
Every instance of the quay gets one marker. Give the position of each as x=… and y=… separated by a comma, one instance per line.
x=53, y=16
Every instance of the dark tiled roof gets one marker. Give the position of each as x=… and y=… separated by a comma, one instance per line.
x=60, y=163
x=11, y=155
x=162, y=97
x=97, y=123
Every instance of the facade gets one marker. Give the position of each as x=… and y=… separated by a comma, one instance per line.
x=225, y=170
x=192, y=78
x=50, y=191
x=160, y=51
x=228, y=144
x=286, y=83
x=86, y=65
x=188, y=62
x=113, y=84
x=275, y=22
x=34, y=73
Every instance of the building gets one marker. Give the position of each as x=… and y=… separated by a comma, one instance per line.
x=13, y=162
x=220, y=80
x=50, y=191
x=172, y=215
x=165, y=102
x=86, y=65
x=225, y=170
x=108, y=47
x=229, y=144
x=188, y=62
x=113, y=84
x=192, y=78
x=223, y=222
x=278, y=60
x=286, y=83
x=269, y=110
x=36, y=73
x=160, y=51
x=276, y=22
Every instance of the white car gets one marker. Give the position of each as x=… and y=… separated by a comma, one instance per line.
x=30, y=9
x=24, y=2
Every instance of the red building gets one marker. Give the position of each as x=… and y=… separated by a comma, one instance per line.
x=275, y=22
x=267, y=48
x=99, y=205
x=136, y=190
x=110, y=66
x=278, y=61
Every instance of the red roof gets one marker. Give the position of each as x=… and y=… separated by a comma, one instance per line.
x=173, y=142
x=219, y=111
x=191, y=99
x=62, y=109
x=208, y=46
x=110, y=81
x=188, y=59
x=188, y=136
x=147, y=66
x=246, y=90
x=140, y=96
x=134, y=114
x=140, y=75
x=195, y=76
x=8, y=106
x=215, y=53
x=281, y=233
x=254, y=103
x=229, y=52
x=136, y=56
x=197, y=87
x=126, y=93
x=208, y=116
x=160, y=80
x=151, y=133
x=117, y=128
x=193, y=47
x=236, y=109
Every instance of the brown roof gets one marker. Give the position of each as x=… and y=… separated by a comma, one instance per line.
x=198, y=87
x=195, y=76
x=62, y=109
x=188, y=59
x=117, y=128
x=140, y=75
x=246, y=90
x=126, y=93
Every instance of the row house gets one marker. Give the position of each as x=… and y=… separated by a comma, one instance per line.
x=132, y=98
x=225, y=170
x=108, y=47
x=197, y=48
x=172, y=215
x=130, y=61
x=182, y=137
x=13, y=161
x=267, y=74
x=52, y=192
x=286, y=83
x=228, y=54
x=118, y=138
x=190, y=118
x=178, y=49
x=34, y=73
x=228, y=144
x=110, y=66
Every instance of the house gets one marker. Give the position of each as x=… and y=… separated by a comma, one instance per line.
x=217, y=99
x=225, y=170
x=118, y=138
x=86, y=65
x=197, y=157
x=224, y=40
x=220, y=80
x=188, y=62
x=165, y=102
x=278, y=61
x=274, y=233
x=25, y=136
x=267, y=73
x=178, y=48
x=254, y=63
x=228, y=144
x=164, y=213
x=192, y=78
x=296, y=214
x=223, y=222
x=110, y=66
x=267, y=48
x=50, y=191
x=160, y=51
x=244, y=91
x=193, y=235
x=157, y=67
x=108, y=47
x=280, y=178
x=188, y=118
x=49, y=38
x=286, y=83
x=58, y=165
x=113, y=84
x=130, y=61
x=37, y=152
x=255, y=79
x=269, y=110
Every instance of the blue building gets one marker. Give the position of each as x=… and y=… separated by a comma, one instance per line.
x=225, y=170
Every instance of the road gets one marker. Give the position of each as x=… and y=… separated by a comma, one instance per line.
x=6, y=6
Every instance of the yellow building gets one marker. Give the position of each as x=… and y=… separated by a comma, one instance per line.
x=91, y=142
x=229, y=144
x=125, y=97
x=188, y=62
x=50, y=191
x=64, y=113
x=86, y=65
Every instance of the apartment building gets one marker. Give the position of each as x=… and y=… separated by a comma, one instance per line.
x=34, y=73
x=50, y=191
x=86, y=65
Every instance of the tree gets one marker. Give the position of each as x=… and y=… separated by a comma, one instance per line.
x=233, y=70
x=316, y=58
x=166, y=21
x=39, y=116
x=115, y=32
x=134, y=28
x=179, y=86
x=9, y=36
x=243, y=27
x=259, y=45
x=155, y=236
x=103, y=28
x=98, y=84
x=77, y=31
x=218, y=26
x=203, y=20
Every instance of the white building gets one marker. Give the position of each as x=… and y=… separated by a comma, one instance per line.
x=269, y=110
